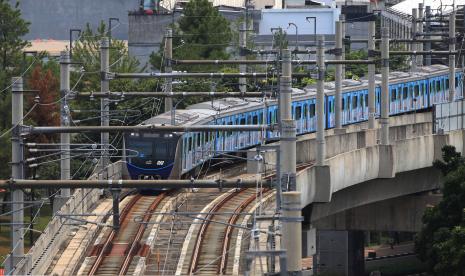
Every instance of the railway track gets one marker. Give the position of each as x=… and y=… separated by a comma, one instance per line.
x=120, y=247
x=210, y=255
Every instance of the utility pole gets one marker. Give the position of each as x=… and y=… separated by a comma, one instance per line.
x=384, y=120
x=342, y=19
x=452, y=41
x=428, y=30
x=65, y=168
x=243, y=46
x=291, y=230
x=414, y=46
x=104, y=104
x=287, y=125
x=168, y=68
x=371, y=75
x=420, y=30
x=17, y=196
x=320, y=131
x=338, y=77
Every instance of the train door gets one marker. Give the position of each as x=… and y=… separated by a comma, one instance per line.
x=345, y=108
x=365, y=106
x=393, y=99
x=312, y=115
x=353, y=107
x=305, y=116
x=361, y=106
x=330, y=112
x=458, y=86
x=378, y=101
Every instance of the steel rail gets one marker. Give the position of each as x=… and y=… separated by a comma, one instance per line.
x=203, y=229
x=107, y=245
x=227, y=235
x=140, y=232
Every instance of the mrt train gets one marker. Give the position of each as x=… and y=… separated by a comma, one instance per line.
x=174, y=155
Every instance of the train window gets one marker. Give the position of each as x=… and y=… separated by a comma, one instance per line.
x=431, y=87
x=438, y=86
x=343, y=105
x=312, y=110
x=305, y=110
x=298, y=112
x=361, y=100
x=366, y=99
x=198, y=139
x=456, y=81
x=393, y=95
x=189, y=144
x=331, y=107
x=405, y=93
x=417, y=90
x=255, y=119
x=354, y=101
x=242, y=121
x=447, y=84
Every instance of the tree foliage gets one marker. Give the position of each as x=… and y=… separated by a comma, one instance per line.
x=47, y=113
x=12, y=28
x=441, y=242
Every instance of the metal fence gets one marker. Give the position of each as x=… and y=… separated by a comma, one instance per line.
x=448, y=116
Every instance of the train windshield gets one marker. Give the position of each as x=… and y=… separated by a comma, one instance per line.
x=150, y=149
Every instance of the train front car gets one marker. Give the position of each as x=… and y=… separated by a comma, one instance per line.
x=151, y=155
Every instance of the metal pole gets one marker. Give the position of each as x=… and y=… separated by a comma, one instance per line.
x=168, y=68
x=420, y=30
x=292, y=232
x=17, y=196
x=65, y=162
x=104, y=104
x=243, y=45
x=384, y=120
x=320, y=134
x=371, y=75
x=131, y=183
x=452, y=41
x=342, y=19
x=338, y=77
x=414, y=46
x=428, y=29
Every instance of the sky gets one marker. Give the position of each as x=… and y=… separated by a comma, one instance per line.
x=408, y=5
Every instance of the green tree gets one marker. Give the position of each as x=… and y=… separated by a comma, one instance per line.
x=441, y=242
x=201, y=33
x=12, y=28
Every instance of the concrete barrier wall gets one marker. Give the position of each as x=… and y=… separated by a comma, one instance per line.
x=414, y=153
x=353, y=167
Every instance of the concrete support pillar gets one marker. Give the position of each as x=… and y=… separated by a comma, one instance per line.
x=427, y=45
x=105, y=104
x=414, y=45
x=243, y=45
x=452, y=41
x=338, y=76
x=371, y=75
x=169, y=69
x=17, y=169
x=384, y=120
x=292, y=231
x=320, y=134
x=65, y=162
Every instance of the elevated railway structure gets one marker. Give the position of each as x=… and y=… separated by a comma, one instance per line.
x=168, y=240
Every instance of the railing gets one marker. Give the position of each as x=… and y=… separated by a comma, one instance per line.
x=448, y=116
